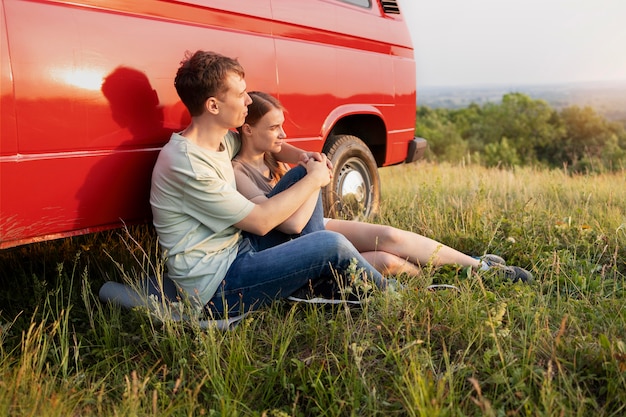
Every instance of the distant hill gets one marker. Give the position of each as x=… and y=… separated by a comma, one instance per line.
x=607, y=98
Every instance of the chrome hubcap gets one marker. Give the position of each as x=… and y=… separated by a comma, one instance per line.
x=353, y=187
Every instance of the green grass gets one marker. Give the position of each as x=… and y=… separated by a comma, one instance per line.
x=556, y=347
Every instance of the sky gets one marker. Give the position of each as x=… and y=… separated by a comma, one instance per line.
x=517, y=42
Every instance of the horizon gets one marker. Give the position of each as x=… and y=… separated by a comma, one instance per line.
x=616, y=82
x=606, y=97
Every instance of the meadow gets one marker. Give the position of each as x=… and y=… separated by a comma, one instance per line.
x=556, y=347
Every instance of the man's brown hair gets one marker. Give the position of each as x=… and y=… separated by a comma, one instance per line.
x=202, y=75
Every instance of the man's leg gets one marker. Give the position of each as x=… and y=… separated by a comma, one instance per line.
x=257, y=278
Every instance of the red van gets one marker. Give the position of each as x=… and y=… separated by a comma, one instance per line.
x=87, y=98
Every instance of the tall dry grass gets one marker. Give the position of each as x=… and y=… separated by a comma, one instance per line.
x=555, y=347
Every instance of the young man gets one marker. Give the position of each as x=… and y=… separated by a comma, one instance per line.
x=199, y=215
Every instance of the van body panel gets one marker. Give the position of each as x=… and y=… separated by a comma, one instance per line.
x=348, y=110
x=87, y=95
x=7, y=100
x=61, y=82
x=380, y=55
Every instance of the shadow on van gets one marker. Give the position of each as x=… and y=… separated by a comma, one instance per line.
x=117, y=186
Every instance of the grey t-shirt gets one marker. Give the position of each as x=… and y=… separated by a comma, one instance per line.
x=194, y=206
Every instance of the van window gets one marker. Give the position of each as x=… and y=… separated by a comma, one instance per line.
x=362, y=3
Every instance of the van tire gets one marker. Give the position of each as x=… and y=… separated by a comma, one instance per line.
x=354, y=191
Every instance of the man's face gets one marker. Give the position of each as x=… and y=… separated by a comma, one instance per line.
x=233, y=105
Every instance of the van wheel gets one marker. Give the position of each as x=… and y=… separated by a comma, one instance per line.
x=354, y=192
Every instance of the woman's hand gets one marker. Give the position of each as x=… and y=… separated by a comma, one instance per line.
x=318, y=168
x=318, y=156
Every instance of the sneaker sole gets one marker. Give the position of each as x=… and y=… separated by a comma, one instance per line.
x=319, y=300
x=438, y=287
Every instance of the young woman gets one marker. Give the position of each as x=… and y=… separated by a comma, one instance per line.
x=390, y=250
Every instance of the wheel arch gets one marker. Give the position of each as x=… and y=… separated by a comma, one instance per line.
x=363, y=121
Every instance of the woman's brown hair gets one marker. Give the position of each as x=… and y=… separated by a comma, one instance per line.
x=261, y=104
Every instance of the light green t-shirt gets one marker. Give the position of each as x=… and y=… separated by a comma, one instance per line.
x=194, y=206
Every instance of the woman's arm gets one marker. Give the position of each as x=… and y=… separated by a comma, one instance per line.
x=296, y=222
x=293, y=155
x=290, y=154
x=272, y=212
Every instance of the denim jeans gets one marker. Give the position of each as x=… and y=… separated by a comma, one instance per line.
x=257, y=278
x=276, y=237
x=277, y=265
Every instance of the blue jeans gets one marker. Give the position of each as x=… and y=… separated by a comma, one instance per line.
x=276, y=237
x=277, y=265
x=257, y=278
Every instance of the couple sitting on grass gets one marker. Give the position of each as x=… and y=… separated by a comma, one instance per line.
x=239, y=229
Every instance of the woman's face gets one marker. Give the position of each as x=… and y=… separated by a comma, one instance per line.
x=268, y=134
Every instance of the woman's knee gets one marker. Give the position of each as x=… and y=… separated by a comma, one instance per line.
x=290, y=178
x=388, y=235
x=295, y=174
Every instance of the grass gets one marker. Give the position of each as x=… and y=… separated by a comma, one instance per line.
x=556, y=347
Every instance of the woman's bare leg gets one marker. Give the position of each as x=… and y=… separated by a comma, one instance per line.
x=388, y=264
x=417, y=249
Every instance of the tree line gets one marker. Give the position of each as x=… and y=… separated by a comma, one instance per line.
x=523, y=131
